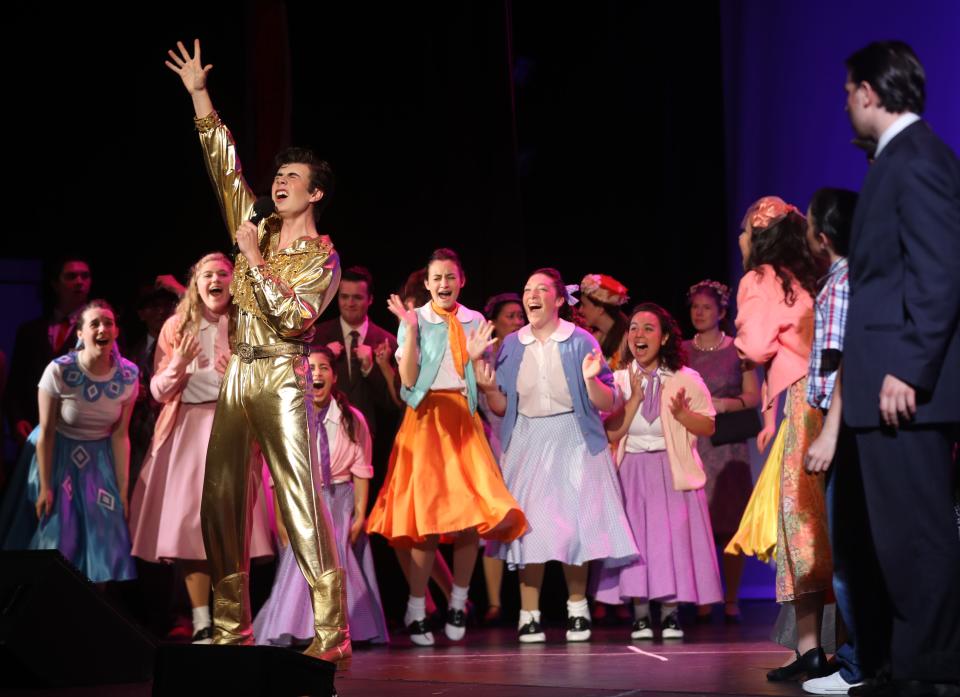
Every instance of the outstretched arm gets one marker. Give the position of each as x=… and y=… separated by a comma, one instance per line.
x=219, y=150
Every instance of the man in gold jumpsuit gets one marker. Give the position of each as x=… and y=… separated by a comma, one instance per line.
x=285, y=276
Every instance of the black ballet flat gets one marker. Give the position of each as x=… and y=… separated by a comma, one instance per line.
x=812, y=664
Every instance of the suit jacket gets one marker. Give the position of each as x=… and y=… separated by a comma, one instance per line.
x=365, y=393
x=31, y=355
x=904, y=316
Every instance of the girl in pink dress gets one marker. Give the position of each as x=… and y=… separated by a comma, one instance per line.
x=192, y=353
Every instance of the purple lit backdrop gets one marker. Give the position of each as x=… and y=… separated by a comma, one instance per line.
x=786, y=130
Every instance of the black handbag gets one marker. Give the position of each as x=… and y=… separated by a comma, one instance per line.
x=736, y=426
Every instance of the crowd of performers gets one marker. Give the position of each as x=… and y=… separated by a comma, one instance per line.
x=553, y=426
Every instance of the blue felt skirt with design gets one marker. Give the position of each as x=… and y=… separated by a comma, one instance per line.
x=86, y=523
x=572, y=498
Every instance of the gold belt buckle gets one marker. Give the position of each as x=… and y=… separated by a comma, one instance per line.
x=245, y=352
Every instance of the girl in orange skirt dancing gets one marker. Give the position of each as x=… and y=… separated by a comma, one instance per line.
x=442, y=482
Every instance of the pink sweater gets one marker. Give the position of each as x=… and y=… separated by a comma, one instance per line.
x=772, y=333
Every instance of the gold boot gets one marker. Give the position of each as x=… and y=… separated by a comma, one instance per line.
x=231, y=611
x=332, y=639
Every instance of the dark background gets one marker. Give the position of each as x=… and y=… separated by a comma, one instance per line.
x=520, y=134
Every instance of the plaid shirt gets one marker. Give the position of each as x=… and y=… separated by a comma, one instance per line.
x=829, y=324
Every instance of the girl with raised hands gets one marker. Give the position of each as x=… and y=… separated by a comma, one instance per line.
x=550, y=383
x=442, y=481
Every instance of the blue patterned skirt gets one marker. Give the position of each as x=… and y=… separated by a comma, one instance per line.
x=86, y=523
x=571, y=498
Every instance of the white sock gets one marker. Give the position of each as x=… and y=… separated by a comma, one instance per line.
x=416, y=610
x=458, y=597
x=528, y=616
x=668, y=609
x=578, y=608
x=201, y=618
x=641, y=609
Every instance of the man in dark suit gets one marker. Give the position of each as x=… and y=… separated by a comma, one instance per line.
x=41, y=340
x=360, y=348
x=901, y=369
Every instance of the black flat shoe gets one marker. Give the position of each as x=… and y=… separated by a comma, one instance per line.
x=812, y=664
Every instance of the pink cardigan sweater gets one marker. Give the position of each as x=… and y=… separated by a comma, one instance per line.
x=772, y=333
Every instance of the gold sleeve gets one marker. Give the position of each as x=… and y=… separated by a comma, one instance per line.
x=291, y=305
x=226, y=173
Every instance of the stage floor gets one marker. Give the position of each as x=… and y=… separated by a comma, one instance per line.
x=713, y=659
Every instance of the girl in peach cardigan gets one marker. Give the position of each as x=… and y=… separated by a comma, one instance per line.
x=667, y=408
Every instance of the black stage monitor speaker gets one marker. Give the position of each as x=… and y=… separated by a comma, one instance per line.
x=240, y=671
x=56, y=629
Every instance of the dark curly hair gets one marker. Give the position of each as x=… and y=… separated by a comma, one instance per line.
x=672, y=353
x=783, y=246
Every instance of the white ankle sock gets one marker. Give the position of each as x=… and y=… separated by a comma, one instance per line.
x=641, y=609
x=578, y=608
x=528, y=616
x=416, y=610
x=201, y=618
x=458, y=597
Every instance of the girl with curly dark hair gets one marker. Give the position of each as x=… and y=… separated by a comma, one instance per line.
x=667, y=408
x=787, y=509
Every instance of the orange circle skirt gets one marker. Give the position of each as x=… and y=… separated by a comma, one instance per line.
x=443, y=478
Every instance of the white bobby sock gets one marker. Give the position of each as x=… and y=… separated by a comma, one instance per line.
x=458, y=597
x=416, y=610
x=578, y=608
x=201, y=618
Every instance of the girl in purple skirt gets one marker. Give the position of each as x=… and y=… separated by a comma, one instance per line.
x=667, y=406
x=342, y=477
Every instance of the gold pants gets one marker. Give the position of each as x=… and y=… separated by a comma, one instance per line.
x=264, y=400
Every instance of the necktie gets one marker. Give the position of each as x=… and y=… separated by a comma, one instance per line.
x=353, y=363
x=650, y=409
x=458, y=341
x=324, y=448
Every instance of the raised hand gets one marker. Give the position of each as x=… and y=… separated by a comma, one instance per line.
x=396, y=306
x=480, y=340
x=191, y=69
x=382, y=353
x=486, y=376
x=592, y=364
x=636, y=387
x=365, y=356
x=187, y=349
x=680, y=403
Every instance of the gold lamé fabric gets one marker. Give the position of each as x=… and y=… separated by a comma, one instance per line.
x=266, y=401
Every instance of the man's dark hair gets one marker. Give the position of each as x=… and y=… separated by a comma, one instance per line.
x=894, y=72
x=357, y=274
x=321, y=175
x=832, y=214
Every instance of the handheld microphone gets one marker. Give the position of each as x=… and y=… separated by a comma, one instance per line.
x=263, y=207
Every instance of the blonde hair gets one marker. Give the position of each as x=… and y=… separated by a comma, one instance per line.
x=189, y=310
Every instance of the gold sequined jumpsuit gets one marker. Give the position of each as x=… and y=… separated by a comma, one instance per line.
x=266, y=399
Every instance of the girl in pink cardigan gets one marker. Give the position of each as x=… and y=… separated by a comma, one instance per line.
x=667, y=406
x=191, y=356
x=775, y=329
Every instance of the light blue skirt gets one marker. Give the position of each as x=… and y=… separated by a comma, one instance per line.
x=571, y=498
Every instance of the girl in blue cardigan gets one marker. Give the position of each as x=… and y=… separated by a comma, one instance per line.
x=550, y=382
